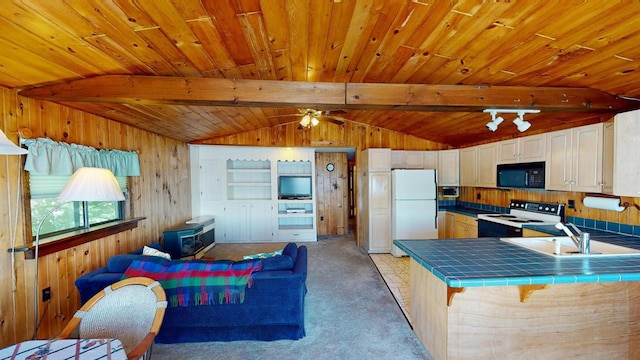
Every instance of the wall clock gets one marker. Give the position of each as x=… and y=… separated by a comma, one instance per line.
x=330, y=166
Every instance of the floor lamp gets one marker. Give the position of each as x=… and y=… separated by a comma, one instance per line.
x=86, y=184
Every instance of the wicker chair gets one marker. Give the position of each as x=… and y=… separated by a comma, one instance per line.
x=130, y=310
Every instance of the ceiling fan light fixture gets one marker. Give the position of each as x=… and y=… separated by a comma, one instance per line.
x=314, y=121
x=306, y=121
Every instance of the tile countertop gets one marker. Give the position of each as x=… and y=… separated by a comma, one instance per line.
x=492, y=262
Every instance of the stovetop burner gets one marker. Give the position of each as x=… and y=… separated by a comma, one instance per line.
x=523, y=212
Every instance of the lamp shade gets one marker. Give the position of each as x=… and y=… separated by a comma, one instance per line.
x=9, y=148
x=92, y=184
x=306, y=120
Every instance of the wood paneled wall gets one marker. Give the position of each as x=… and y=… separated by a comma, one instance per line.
x=502, y=197
x=327, y=134
x=332, y=192
x=161, y=194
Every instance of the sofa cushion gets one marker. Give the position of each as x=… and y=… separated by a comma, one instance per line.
x=153, y=245
x=291, y=249
x=120, y=263
x=278, y=262
x=155, y=252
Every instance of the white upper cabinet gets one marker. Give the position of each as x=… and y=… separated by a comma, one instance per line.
x=406, y=159
x=449, y=167
x=574, y=159
x=379, y=159
x=626, y=165
x=413, y=159
x=468, y=166
x=525, y=149
x=478, y=166
x=430, y=159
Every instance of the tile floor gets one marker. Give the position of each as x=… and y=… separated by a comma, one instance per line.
x=395, y=272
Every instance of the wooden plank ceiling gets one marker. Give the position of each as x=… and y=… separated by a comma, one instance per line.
x=470, y=55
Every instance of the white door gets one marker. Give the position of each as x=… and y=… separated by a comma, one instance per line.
x=236, y=217
x=413, y=184
x=414, y=219
x=261, y=216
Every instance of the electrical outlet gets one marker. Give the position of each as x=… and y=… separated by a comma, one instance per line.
x=571, y=204
x=46, y=294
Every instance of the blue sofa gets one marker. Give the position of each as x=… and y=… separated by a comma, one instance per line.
x=273, y=306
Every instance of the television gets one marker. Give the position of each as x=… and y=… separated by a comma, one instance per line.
x=294, y=187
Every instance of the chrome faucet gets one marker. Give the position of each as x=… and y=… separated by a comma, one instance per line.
x=579, y=238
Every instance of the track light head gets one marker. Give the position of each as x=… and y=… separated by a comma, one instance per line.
x=521, y=124
x=495, y=121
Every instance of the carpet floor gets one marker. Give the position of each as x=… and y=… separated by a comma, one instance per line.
x=349, y=312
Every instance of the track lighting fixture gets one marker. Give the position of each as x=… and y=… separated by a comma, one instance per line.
x=519, y=121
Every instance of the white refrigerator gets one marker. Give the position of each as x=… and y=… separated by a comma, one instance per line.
x=414, y=211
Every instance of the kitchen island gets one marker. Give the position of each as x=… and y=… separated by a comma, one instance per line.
x=488, y=299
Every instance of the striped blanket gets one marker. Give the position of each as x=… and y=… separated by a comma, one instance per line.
x=197, y=282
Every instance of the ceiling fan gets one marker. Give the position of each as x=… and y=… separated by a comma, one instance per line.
x=312, y=117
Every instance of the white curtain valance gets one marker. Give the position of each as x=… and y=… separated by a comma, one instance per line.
x=48, y=157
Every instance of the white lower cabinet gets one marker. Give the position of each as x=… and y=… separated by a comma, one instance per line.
x=248, y=222
x=296, y=221
x=236, y=219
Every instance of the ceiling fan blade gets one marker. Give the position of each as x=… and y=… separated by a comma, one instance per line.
x=334, y=111
x=336, y=119
x=284, y=115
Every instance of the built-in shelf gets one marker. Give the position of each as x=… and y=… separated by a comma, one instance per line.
x=248, y=179
x=296, y=218
x=240, y=186
x=294, y=168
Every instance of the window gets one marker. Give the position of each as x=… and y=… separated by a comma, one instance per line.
x=68, y=216
x=50, y=165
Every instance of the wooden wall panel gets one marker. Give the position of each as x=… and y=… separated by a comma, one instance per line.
x=327, y=134
x=161, y=194
x=332, y=192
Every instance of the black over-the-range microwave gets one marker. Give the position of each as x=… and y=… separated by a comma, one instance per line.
x=521, y=175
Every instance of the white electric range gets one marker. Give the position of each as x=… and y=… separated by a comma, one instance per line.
x=520, y=212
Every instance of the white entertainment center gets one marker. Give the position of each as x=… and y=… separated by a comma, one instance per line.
x=256, y=194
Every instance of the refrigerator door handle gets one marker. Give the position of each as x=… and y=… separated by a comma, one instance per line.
x=436, y=215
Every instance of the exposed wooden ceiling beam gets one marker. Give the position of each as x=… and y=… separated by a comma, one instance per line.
x=132, y=89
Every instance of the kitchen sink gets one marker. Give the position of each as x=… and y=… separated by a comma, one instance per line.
x=547, y=245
